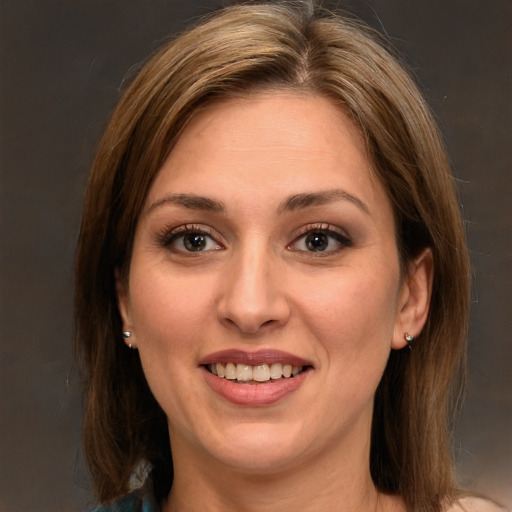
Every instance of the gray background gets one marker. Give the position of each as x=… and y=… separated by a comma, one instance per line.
x=62, y=63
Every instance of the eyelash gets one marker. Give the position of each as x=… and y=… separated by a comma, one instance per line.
x=169, y=236
x=326, y=230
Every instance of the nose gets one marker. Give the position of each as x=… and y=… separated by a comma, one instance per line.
x=253, y=296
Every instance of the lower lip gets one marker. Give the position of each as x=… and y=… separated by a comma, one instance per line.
x=265, y=393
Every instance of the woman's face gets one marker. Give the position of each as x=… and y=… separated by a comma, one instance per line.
x=266, y=247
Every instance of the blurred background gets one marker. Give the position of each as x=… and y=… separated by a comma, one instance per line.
x=63, y=64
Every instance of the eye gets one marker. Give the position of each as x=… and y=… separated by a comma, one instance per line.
x=190, y=239
x=324, y=239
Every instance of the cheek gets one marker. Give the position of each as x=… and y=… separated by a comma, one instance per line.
x=169, y=315
x=353, y=321
x=355, y=313
x=166, y=303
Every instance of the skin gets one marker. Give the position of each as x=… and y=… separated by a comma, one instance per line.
x=259, y=285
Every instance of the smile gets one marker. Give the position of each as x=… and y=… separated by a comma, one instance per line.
x=253, y=374
x=259, y=378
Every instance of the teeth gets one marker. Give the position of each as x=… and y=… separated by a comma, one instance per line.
x=261, y=373
x=243, y=372
x=258, y=373
x=276, y=371
x=230, y=372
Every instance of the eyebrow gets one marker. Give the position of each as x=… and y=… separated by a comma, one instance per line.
x=189, y=201
x=291, y=203
x=309, y=200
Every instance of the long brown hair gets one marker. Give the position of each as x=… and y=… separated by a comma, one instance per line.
x=270, y=46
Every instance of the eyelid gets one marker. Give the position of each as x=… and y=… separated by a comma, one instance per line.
x=322, y=228
x=167, y=235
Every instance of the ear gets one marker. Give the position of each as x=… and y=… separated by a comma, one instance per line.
x=123, y=300
x=414, y=299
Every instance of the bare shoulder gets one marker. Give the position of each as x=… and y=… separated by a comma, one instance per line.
x=474, y=504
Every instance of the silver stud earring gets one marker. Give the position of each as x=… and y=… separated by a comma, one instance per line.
x=127, y=335
x=410, y=339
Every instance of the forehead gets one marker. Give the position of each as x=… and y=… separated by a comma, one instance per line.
x=270, y=142
x=273, y=118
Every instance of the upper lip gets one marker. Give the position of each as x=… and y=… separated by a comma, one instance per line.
x=266, y=356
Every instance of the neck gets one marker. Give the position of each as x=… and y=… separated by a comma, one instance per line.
x=338, y=481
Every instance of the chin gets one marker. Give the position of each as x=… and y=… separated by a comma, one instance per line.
x=256, y=448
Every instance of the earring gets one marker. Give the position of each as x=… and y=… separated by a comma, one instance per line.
x=127, y=335
x=410, y=339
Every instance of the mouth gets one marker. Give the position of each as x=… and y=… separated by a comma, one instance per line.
x=255, y=378
x=255, y=374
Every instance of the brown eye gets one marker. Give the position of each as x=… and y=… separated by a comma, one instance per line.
x=320, y=239
x=317, y=241
x=188, y=240
x=194, y=242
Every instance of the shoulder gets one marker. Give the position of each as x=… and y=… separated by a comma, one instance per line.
x=128, y=503
x=133, y=502
x=474, y=504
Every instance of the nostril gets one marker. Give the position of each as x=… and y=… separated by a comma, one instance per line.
x=249, y=326
x=250, y=307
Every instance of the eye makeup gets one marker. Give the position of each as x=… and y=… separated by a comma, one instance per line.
x=320, y=239
x=189, y=238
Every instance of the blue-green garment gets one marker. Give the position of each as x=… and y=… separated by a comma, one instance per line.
x=138, y=501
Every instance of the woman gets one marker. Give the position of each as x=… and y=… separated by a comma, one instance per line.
x=271, y=277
